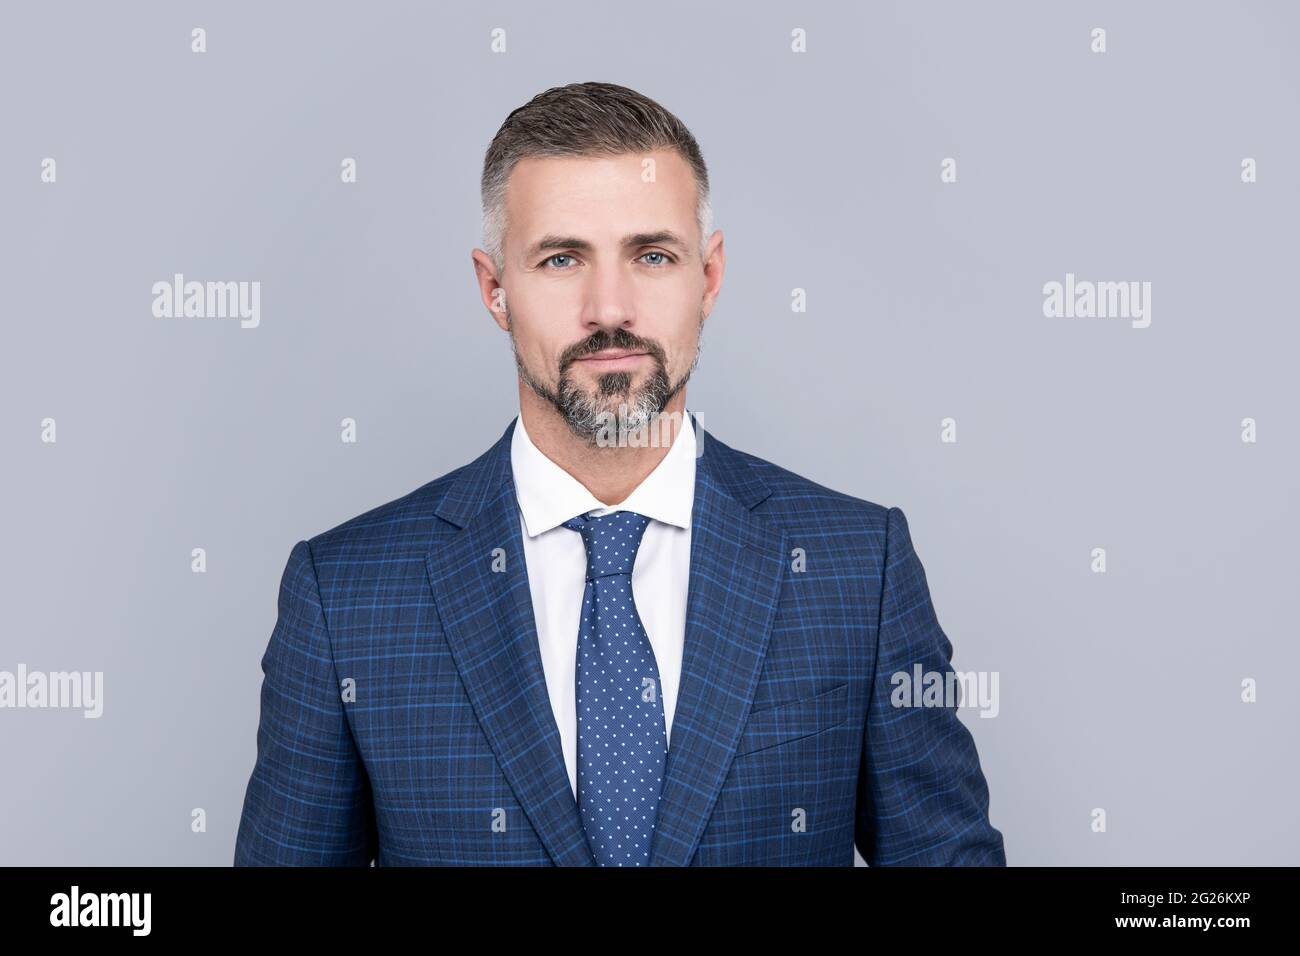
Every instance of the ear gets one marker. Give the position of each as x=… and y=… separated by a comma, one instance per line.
x=491, y=291
x=715, y=264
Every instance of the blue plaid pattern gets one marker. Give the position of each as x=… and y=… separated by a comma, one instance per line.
x=621, y=752
x=405, y=718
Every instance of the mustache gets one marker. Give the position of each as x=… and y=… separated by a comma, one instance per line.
x=618, y=339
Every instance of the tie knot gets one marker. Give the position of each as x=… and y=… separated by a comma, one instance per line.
x=611, y=541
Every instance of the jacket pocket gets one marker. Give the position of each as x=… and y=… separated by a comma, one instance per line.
x=795, y=719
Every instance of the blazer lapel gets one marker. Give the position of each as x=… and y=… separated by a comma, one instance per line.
x=737, y=565
x=487, y=616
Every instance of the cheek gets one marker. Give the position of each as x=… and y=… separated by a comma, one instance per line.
x=540, y=295
x=534, y=345
x=666, y=299
x=535, y=315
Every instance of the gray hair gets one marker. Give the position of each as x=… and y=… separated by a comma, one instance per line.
x=584, y=119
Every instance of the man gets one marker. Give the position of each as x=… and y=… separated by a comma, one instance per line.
x=605, y=641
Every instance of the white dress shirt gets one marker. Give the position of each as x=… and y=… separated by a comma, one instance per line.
x=557, y=567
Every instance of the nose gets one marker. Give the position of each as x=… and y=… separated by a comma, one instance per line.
x=608, y=301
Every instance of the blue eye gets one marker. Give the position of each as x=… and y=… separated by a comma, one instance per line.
x=558, y=255
x=662, y=255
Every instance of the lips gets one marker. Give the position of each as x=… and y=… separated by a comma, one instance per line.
x=610, y=354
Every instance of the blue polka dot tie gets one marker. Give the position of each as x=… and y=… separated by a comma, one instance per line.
x=622, y=741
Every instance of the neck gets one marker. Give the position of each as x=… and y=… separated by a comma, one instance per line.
x=609, y=473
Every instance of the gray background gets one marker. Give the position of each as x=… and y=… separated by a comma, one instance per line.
x=925, y=301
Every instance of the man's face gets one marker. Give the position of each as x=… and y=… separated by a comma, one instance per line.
x=605, y=293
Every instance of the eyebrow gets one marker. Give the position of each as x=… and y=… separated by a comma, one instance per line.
x=662, y=237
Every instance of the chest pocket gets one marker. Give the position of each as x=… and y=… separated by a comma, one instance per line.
x=794, y=719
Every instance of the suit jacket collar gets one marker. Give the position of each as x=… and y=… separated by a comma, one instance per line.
x=480, y=589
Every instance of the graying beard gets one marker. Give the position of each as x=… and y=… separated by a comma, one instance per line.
x=587, y=417
x=583, y=415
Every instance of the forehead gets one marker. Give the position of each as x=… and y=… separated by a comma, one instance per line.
x=587, y=195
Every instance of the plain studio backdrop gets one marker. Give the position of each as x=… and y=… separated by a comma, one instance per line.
x=1119, y=691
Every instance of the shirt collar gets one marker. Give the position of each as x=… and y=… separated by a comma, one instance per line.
x=548, y=495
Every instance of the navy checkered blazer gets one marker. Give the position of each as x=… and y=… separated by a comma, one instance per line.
x=405, y=718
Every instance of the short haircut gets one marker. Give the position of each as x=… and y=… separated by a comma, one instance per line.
x=584, y=119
